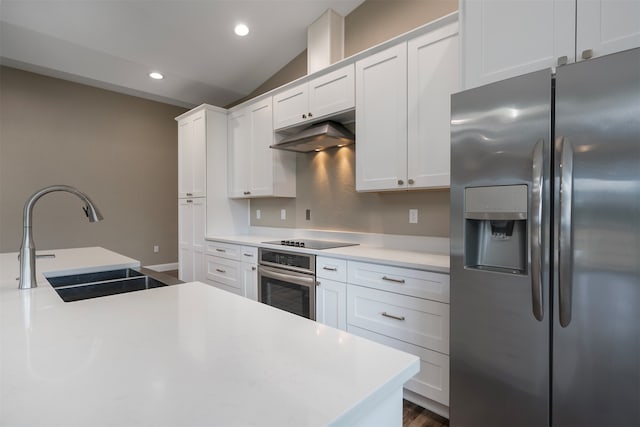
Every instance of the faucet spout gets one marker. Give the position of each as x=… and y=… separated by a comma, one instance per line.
x=28, y=248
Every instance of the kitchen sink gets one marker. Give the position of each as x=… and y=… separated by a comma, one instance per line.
x=77, y=287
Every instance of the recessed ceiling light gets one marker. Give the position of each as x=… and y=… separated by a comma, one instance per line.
x=241, y=30
x=155, y=75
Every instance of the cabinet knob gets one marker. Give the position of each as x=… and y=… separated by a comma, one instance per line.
x=253, y=268
x=246, y=193
x=563, y=60
x=304, y=116
x=310, y=115
x=317, y=283
x=410, y=181
x=189, y=194
x=400, y=182
x=189, y=201
x=587, y=53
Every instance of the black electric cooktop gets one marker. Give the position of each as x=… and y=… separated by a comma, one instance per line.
x=310, y=244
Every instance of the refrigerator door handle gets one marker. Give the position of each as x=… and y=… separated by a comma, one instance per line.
x=565, y=232
x=536, y=229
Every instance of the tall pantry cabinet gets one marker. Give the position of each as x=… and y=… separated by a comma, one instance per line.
x=203, y=208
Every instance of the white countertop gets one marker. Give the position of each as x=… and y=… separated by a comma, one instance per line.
x=182, y=355
x=431, y=261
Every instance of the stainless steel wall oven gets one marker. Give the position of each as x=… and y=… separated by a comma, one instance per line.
x=287, y=280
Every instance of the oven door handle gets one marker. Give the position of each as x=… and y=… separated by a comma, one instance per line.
x=305, y=280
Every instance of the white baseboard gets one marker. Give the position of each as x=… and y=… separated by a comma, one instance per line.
x=163, y=267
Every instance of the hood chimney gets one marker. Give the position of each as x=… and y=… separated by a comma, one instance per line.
x=325, y=41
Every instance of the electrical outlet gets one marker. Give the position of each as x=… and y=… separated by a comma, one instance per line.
x=258, y=213
x=283, y=214
x=413, y=216
x=156, y=249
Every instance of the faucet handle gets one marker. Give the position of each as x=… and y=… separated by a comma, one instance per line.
x=86, y=211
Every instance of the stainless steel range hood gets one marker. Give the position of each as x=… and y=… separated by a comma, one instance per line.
x=317, y=137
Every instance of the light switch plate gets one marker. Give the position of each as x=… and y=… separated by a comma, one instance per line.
x=283, y=214
x=413, y=216
x=258, y=214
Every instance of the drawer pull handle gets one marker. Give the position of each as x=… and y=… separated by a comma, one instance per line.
x=391, y=279
x=329, y=268
x=391, y=316
x=219, y=270
x=220, y=250
x=246, y=254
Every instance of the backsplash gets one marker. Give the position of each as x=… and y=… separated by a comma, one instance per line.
x=326, y=187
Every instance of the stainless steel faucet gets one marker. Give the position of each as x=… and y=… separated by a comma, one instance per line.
x=28, y=248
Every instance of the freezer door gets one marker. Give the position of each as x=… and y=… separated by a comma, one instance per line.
x=596, y=327
x=499, y=292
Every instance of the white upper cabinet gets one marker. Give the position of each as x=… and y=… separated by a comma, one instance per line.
x=502, y=39
x=433, y=75
x=403, y=112
x=239, y=126
x=255, y=170
x=381, y=120
x=192, y=155
x=321, y=97
x=606, y=26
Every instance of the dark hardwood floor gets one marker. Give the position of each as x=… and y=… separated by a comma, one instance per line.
x=416, y=416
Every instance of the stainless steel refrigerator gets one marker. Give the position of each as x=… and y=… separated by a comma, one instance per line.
x=545, y=248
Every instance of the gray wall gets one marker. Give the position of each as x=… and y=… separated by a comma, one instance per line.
x=326, y=186
x=326, y=181
x=120, y=150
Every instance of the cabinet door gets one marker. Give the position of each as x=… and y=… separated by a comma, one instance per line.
x=502, y=39
x=331, y=303
x=192, y=156
x=199, y=226
x=238, y=153
x=250, y=280
x=185, y=241
x=291, y=106
x=432, y=77
x=185, y=173
x=381, y=120
x=192, y=219
x=332, y=92
x=607, y=26
x=199, y=156
x=261, y=170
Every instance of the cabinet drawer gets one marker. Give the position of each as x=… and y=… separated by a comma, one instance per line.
x=249, y=254
x=224, y=271
x=331, y=268
x=224, y=250
x=432, y=381
x=406, y=281
x=413, y=320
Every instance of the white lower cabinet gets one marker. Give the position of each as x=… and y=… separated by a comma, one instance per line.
x=331, y=292
x=432, y=381
x=192, y=219
x=232, y=268
x=414, y=320
x=249, y=267
x=406, y=309
x=331, y=303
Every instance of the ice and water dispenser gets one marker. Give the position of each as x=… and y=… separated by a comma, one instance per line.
x=496, y=228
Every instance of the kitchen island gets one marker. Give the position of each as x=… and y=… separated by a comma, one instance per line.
x=183, y=355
